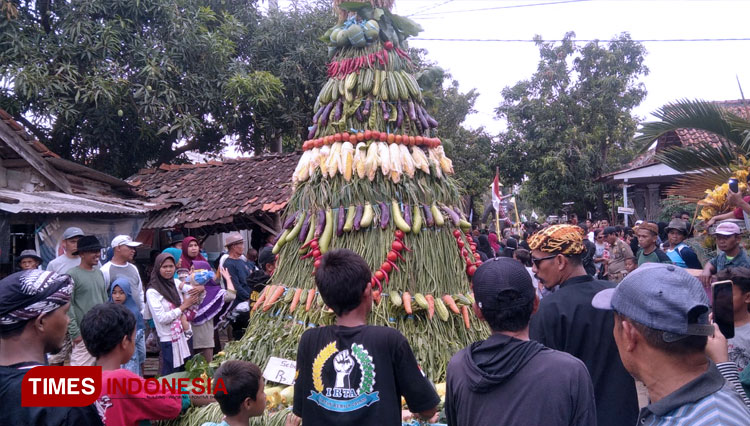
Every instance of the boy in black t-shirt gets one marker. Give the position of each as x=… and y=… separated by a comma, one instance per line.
x=352, y=373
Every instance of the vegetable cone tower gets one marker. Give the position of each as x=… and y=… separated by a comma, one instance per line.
x=373, y=179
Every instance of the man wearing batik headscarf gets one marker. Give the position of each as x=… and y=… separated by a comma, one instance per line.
x=567, y=322
x=33, y=320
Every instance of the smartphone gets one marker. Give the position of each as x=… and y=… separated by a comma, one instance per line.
x=734, y=185
x=723, y=308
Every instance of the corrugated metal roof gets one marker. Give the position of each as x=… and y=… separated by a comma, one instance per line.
x=51, y=202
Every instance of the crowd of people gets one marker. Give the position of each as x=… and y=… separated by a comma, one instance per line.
x=581, y=315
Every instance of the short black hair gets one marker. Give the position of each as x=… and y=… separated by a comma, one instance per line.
x=241, y=380
x=524, y=257
x=341, y=279
x=739, y=277
x=513, y=318
x=104, y=326
x=689, y=345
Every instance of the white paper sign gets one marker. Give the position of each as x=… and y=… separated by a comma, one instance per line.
x=280, y=370
x=625, y=210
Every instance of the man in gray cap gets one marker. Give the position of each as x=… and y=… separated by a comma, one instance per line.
x=239, y=271
x=661, y=330
x=67, y=261
x=509, y=379
x=62, y=264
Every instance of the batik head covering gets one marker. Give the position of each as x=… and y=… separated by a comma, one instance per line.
x=124, y=285
x=214, y=299
x=164, y=286
x=558, y=239
x=185, y=260
x=28, y=294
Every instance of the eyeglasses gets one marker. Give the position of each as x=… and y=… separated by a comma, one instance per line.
x=537, y=260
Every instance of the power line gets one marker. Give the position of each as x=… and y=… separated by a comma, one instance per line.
x=652, y=40
x=430, y=8
x=515, y=6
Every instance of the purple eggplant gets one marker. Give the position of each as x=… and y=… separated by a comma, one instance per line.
x=341, y=220
x=407, y=214
x=321, y=223
x=399, y=115
x=385, y=216
x=358, y=216
x=411, y=112
x=318, y=114
x=459, y=213
x=313, y=129
x=289, y=222
x=428, y=218
x=366, y=109
x=422, y=118
x=449, y=212
x=323, y=120
x=358, y=114
x=430, y=121
x=305, y=228
x=386, y=110
x=339, y=110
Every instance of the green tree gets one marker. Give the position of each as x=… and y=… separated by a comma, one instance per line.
x=118, y=85
x=571, y=121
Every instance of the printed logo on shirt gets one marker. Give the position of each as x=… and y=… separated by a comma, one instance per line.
x=334, y=378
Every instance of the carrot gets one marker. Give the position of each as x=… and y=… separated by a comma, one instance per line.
x=309, y=301
x=295, y=300
x=261, y=298
x=430, y=306
x=278, y=291
x=376, y=296
x=448, y=299
x=465, y=312
x=407, y=302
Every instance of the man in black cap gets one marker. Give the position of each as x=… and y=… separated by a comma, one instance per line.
x=89, y=290
x=509, y=379
x=33, y=321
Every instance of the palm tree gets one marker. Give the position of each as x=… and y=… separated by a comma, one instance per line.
x=715, y=159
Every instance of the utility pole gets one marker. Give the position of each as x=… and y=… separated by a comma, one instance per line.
x=273, y=6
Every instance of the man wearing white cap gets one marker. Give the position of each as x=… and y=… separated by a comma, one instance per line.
x=123, y=248
x=728, y=240
x=67, y=261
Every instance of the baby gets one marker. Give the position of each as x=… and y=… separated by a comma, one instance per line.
x=186, y=280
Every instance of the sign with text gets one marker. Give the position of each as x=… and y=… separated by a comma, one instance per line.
x=280, y=370
x=625, y=210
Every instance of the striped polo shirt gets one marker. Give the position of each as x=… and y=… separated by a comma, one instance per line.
x=708, y=400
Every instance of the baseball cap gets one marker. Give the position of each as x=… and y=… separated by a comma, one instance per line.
x=72, y=232
x=662, y=297
x=497, y=276
x=727, y=228
x=609, y=230
x=124, y=240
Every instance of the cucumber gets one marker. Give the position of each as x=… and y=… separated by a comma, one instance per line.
x=349, y=224
x=395, y=298
x=367, y=80
x=367, y=216
x=416, y=225
x=398, y=219
x=325, y=237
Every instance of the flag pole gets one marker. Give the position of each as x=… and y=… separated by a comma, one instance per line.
x=518, y=218
x=497, y=212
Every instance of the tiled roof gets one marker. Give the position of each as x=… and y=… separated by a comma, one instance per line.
x=684, y=137
x=19, y=129
x=216, y=192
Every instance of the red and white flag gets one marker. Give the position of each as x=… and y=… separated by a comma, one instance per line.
x=496, y=198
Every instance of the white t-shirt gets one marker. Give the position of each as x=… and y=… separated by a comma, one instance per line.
x=62, y=264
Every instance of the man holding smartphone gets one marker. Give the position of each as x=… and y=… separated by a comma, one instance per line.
x=661, y=330
x=728, y=240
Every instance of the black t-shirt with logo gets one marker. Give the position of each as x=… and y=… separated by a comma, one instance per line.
x=356, y=376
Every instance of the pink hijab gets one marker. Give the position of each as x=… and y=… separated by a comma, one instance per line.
x=185, y=260
x=493, y=242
